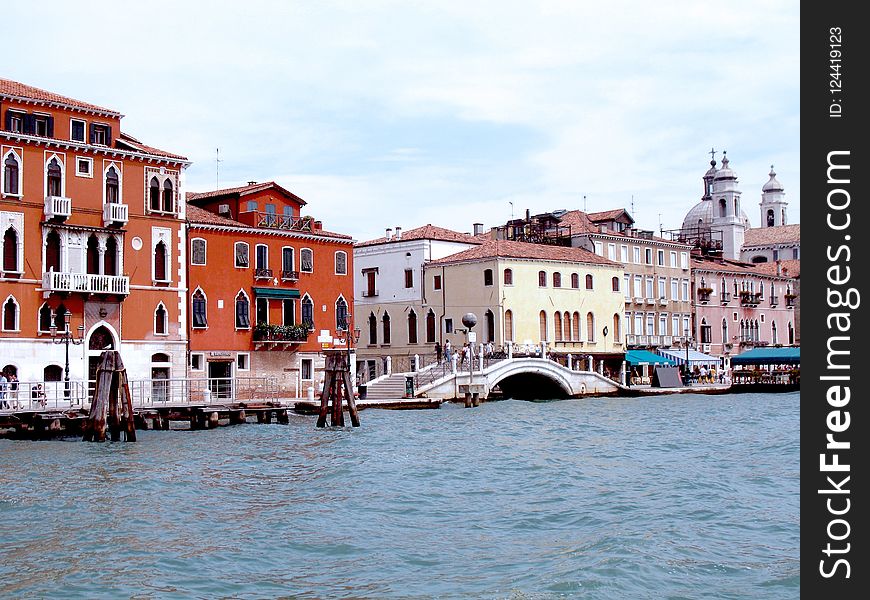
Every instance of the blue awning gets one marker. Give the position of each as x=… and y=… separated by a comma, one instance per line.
x=263, y=292
x=769, y=356
x=645, y=357
x=695, y=357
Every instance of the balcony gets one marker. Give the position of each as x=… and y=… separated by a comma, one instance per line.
x=651, y=301
x=289, y=275
x=115, y=214
x=790, y=300
x=57, y=207
x=369, y=293
x=704, y=295
x=262, y=273
x=638, y=300
x=269, y=220
x=663, y=301
x=281, y=337
x=750, y=299
x=85, y=283
x=726, y=298
x=774, y=300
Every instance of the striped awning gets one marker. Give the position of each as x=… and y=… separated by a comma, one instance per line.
x=695, y=357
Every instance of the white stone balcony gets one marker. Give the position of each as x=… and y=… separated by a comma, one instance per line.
x=85, y=283
x=114, y=214
x=57, y=207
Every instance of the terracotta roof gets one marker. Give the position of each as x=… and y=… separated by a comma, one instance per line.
x=765, y=236
x=789, y=268
x=201, y=216
x=20, y=90
x=511, y=249
x=581, y=222
x=427, y=232
x=243, y=191
x=609, y=215
x=733, y=266
x=133, y=143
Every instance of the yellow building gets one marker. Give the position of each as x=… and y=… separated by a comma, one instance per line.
x=525, y=294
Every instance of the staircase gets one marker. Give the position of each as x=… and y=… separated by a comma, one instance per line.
x=387, y=389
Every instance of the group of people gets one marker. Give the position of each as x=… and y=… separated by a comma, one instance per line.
x=8, y=390
x=701, y=374
x=466, y=352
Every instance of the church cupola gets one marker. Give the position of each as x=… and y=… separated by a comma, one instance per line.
x=773, y=204
x=727, y=216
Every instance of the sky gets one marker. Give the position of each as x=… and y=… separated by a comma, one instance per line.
x=382, y=114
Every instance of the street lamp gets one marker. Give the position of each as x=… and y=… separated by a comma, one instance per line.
x=687, y=354
x=66, y=339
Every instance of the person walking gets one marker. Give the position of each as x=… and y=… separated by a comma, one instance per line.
x=448, y=350
x=3, y=402
x=438, y=352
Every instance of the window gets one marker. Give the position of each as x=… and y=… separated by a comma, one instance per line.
x=638, y=286
x=614, y=284
x=599, y=248
x=684, y=260
x=54, y=178
x=557, y=280
x=161, y=320
x=160, y=260
x=197, y=251
x=52, y=373
x=487, y=277
x=626, y=283
x=341, y=315
x=590, y=327
x=542, y=325
x=588, y=281
x=243, y=361
x=43, y=126
x=650, y=325
x=436, y=282
x=307, y=369
x=44, y=323
x=287, y=262
x=306, y=257
x=623, y=253
x=675, y=292
x=686, y=325
x=647, y=253
x=795, y=253
x=508, y=277
x=448, y=325
x=575, y=281
x=10, y=314
x=14, y=122
x=685, y=288
x=288, y=311
x=617, y=333
x=663, y=287
x=241, y=255
x=197, y=361
x=409, y=278
x=636, y=254
x=412, y=327
x=385, y=321
x=373, y=329
x=112, y=186
x=308, y=312
x=10, y=251
x=673, y=256
x=154, y=194
x=271, y=218
x=675, y=325
x=542, y=279
x=611, y=251
x=660, y=256
x=84, y=167
x=198, y=310
x=341, y=263
x=100, y=134
x=663, y=324
x=77, y=130
x=371, y=283
x=575, y=326
x=11, y=171
x=243, y=311
x=557, y=327
x=508, y=325
x=261, y=259
x=168, y=197
x=262, y=311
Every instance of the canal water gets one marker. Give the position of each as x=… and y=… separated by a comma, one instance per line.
x=672, y=497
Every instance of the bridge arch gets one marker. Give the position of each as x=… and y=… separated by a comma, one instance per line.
x=531, y=379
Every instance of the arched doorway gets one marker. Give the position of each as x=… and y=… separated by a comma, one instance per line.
x=99, y=340
x=160, y=366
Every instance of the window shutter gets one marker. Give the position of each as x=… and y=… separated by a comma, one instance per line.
x=8, y=122
x=108, y=135
x=50, y=127
x=29, y=124
x=91, y=133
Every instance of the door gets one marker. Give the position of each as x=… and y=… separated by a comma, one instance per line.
x=220, y=379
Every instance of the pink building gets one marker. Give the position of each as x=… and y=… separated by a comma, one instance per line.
x=739, y=306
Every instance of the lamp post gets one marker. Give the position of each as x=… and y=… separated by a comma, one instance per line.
x=66, y=339
x=687, y=354
x=469, y=320
x=353, y=335
x=604, y=358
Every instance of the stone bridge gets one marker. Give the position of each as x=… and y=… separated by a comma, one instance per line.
x=524, y=378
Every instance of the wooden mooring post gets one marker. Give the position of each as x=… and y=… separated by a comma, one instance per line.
x=112, y=397
x=337, y=385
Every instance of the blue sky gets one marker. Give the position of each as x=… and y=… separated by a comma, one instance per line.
x=384, y=114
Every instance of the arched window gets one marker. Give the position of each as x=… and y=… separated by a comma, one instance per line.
x=287, y=263
x=614, y=285
x=412, y=327
x=52, y=251
x=430, y=327
x=723, y=207
x=44, y=323
x=261, y=257
x=373, y=329
x=160, y=262
x=575, y=281
x=589, y=282
x=773, y=337
x=112, y=186
x=508, y=325
x=557, y=279
x=168, y=197
x=508, y=277
x=341, y=314
x=557, y=326
x=575, y=326
x=10, y=250
x=542, y=322
x=197, y=251
x=60, y=318
x=790, y=334
x=11, y=169
x=154, y=194
x=198, y=310
x=542, y=279
x=10, y=314
x=93, y=255
x=110, y=257
x=54, y=178
x=341, y=263
x=386, y=326
x=487, y=277
x=306, y=258
x=489, y=326
x=52, y=373
x=566, y=326
x=770, y=218
x=725, y=331
x=243, y=311
x=161, y=320
x=590, y=327
x=308, y=312
x=617, y=329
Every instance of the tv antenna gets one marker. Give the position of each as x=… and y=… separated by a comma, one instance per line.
x=217, y=168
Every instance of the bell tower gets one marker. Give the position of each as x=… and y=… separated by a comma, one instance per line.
x=773, y=204
x=726, y=211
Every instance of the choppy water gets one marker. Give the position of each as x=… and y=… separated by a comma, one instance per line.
x=674, y=497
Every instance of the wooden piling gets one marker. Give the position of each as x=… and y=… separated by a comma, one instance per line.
x=213, y=420
x=112, y=401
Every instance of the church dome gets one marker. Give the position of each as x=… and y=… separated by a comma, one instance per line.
x=773, y=185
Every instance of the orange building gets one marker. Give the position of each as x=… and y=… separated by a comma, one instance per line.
x=92, y=222
x=265, y=283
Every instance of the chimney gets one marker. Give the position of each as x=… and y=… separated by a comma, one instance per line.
x=389, y=233
x=252, y=183
x=629, y=232
x=478, y=228
x=779, y=267
x=528, y=215
x=318, y=225
x=398, y=233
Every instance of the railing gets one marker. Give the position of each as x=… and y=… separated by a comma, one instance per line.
x=115, y=213
x=369, y=294
x=289, y=275
x=57, y=207
x=750, y=299
x=703, y=295
x=86, y=283
x=774, y=300
x=790, y=301
x=262, y=273
x=42, y=395
x=276, y=221
x=726, y=297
